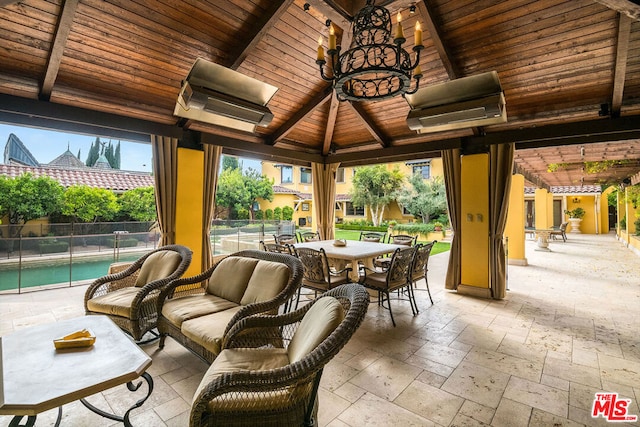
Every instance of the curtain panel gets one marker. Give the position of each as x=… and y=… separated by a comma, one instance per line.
x=452, y=172
x=500, y=173
x=324, y=197
x=212, y=155
x=165, y=175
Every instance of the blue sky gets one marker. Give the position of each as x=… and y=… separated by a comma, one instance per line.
x=46, y=145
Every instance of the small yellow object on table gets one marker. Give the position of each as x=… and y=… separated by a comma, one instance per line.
x=82, y=338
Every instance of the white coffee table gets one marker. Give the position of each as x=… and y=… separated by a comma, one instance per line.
x=36, y=377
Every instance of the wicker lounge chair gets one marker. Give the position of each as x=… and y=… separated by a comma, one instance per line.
x=130, y=296
x=253, y=384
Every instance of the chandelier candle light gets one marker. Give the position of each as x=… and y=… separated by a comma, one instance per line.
x=372, y=68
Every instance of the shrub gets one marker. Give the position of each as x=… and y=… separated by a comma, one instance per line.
x=637, y=224
x=53, y=247
x=415, y=228
x=128, y=242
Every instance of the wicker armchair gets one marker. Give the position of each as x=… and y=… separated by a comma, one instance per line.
x=277, y=384
x=396, y=277
x=130, y=296
x=197, y=311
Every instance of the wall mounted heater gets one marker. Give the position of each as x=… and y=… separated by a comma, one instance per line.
x=218, y=95
x=457, y=104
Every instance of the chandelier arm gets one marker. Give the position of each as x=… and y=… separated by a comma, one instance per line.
x=415, y=89
x=417, y=50
x=322, y=75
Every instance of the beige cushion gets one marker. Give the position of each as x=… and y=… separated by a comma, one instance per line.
x=268, y=280
x=116, y=303
x=158, y=266
x=208, y=330
x=230, y=278
x=180, y=309
x=316, y=325
x=237, y=359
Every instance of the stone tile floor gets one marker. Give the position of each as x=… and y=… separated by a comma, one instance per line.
x=568, y=328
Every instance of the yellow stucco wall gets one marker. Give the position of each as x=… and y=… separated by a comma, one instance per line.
x=189, y=205
x=392, y=211
x=514, y=228
x=475, y=216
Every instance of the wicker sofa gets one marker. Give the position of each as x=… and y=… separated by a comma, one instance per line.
x=196, y=311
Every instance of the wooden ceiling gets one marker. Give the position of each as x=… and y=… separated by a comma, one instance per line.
x=570, y=71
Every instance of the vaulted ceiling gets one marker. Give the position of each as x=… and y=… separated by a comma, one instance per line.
x=570, y=71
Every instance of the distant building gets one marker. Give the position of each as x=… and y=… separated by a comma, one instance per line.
x=68, y=170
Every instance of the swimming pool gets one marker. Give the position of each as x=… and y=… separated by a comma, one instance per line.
x=49, y=272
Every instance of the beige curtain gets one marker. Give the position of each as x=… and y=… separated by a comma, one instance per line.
x=500, y=173
x=165, y=174
x=452, y=172
x=212, y=155
x=323, y=177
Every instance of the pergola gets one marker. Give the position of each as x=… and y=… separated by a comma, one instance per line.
x=570, y=71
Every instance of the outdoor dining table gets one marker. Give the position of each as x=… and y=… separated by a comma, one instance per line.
x=353, y=252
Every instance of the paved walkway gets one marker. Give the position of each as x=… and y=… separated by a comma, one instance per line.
x=568, y=328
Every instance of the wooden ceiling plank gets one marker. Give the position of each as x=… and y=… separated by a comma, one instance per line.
x=336, y=14
x=268, y=21
x=4, y=3
x=57, y=49
x=371, y=126
x=300, y=115
x=622, y=48
x=434, y=31
x=531, y=177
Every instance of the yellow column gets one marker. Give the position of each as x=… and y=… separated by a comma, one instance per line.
x=514, y=229
x=190, y=187
x=475, y=226
x=542, y=208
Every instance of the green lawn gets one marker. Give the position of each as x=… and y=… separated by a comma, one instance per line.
x=355, y=235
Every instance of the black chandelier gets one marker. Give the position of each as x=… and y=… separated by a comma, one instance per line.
x=373, y=68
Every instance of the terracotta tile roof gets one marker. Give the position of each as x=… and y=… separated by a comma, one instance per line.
x=569, y=189
x=115, y=180
x=277, y=189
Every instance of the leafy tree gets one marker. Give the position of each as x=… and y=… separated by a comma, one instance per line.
x=88, y=204
x=239, y=191
x=108, y=154
x=230, y=162
x=277, y=214
x=116, y=157
x=425, y=198
x=375, y=187
x=26, y=198
x=94, y=153
x=287, y=213
x=138, y=204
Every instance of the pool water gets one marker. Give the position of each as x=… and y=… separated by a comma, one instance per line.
x=55, y=272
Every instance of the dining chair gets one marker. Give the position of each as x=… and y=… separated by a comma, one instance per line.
x=277, y=248
x=396, y=277
x=285, y=239
x=396, y=239
x=318, y=275
x=420, y=266
x=308, y=236
x=372, y=236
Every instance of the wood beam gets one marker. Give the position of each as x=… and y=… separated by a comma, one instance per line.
x=4, y=3
x=531, y=177
x=635, y=179
x=57, y=48
x=620, y=73
x=371, y=126
x=278, y=8
x=333, y=12
x=307, y=109
x=625, y=7
x=434, y=32
x=331, y=124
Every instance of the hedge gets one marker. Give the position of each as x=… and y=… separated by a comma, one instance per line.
x=53, y=247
